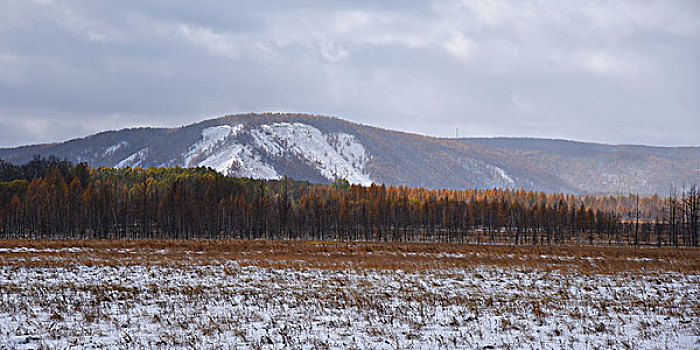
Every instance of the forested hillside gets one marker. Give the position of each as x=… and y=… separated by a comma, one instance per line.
x=54, y=199
x=322, y=149
x=598, y=168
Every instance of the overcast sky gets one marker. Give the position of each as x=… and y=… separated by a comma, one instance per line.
x=605, y=71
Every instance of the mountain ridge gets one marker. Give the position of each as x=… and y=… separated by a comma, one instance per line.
x=321, y=148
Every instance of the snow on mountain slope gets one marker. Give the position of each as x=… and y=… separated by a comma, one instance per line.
x=111, y=149
x=240, y=160
x=349, y=148
x=227, y=149
x=334, y=156
x=507, y=181
x=319, y=149
x=211, y=139
x=134, y=160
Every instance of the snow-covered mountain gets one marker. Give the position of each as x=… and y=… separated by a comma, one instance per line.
x=228, y=149
x=322, y=149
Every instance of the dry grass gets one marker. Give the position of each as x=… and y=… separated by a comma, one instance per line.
x=300, y=294
x=356, y=255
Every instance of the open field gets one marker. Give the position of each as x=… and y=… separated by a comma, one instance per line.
x=308, y=295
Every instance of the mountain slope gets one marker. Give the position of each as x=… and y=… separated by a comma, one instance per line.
x=602, y=169
x=320, y=149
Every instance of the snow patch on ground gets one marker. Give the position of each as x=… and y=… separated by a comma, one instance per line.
x=47, y=250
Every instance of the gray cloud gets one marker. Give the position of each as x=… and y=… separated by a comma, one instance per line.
x=617, y=72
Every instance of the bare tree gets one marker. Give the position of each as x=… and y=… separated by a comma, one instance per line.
x=636, y=222
x=691, y=200
x=672, y=216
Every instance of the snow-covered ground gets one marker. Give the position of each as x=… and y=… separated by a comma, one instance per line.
x=83, y=299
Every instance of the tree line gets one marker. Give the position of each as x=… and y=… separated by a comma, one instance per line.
x=55, y=199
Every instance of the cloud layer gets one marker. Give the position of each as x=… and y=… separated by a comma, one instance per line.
x=616, y=72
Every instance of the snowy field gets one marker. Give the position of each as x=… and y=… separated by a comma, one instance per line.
x=314, y=296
